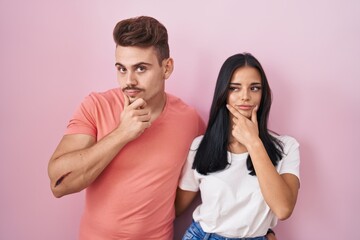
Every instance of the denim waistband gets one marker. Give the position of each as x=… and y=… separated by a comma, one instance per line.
x=219, y=237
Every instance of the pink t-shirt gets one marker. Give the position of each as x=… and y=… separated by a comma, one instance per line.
x=134, y=196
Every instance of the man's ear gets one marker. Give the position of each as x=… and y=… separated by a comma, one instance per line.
x=168, y=65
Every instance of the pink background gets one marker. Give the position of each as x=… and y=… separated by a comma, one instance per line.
x=53, y=53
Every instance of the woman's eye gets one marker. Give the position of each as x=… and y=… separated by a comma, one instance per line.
x=255, y=89
x=232, y=89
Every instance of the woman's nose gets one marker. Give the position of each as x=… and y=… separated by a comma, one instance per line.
x=245, y=95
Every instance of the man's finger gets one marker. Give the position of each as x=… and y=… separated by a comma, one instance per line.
x=138, y=104
x=126, y=100
x=144, y=118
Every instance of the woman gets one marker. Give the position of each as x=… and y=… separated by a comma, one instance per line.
x=247, y=175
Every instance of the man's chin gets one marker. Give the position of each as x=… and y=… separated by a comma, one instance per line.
x=132, y=99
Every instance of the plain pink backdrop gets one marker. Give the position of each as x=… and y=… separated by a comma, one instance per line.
x=53, y=53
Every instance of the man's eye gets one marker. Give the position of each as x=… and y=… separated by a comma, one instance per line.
x=140, y=69
x=121, y=70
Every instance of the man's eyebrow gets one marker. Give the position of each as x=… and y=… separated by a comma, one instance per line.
x=135, y=65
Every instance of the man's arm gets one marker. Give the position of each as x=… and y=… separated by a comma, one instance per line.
x=79, y=159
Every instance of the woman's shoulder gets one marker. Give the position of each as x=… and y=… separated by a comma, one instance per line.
x=284, y=138
x=196, y=142
x=287, y=141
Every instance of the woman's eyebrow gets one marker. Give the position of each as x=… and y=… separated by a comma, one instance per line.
x=251, y=84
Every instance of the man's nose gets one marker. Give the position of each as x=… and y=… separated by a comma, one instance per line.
x=131, y=79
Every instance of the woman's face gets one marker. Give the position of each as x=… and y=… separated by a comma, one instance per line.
x=245, y=89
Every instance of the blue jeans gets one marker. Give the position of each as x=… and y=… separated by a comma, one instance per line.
x=195, y=232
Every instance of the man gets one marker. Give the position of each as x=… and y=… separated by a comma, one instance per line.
x=126, y=146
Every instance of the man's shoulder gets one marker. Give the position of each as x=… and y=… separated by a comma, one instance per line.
x=179, y=104
x=109, y=96
x=184, y=114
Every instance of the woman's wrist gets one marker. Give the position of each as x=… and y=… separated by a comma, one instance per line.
x=270, y=231
x=254, y=145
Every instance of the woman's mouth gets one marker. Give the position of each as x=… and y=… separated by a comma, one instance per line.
x=244, y=107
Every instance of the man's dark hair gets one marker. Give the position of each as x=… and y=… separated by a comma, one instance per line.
x=143, y=31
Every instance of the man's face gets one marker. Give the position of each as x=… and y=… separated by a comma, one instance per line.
x=140, y=75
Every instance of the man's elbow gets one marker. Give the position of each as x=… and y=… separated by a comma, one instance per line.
x=57, y=190
x=57, y=186
x=56, y=193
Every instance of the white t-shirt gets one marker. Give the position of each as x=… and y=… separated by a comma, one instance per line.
x=232, y=203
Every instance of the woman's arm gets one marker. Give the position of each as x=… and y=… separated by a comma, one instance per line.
x=279, y=191
x=183, y=200
x=270, y=235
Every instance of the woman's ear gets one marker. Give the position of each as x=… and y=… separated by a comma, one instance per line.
x=168, y=65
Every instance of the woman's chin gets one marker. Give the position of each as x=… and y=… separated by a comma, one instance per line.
x=246, y=114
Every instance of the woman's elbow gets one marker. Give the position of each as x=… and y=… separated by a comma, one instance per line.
x=177, y=212
x=284, y=213
x=179, y=208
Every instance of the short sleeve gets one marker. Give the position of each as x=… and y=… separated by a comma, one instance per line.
x=291, y=160
x=83, y=120
x=188, y=180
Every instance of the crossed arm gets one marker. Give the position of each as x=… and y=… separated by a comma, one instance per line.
x=79, y=159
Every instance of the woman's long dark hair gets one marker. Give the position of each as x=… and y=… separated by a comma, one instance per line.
x=211, y=155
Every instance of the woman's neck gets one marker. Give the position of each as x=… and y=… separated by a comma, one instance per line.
x=236, y=147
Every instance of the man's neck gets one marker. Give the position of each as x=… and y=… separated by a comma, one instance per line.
x=157, y=107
